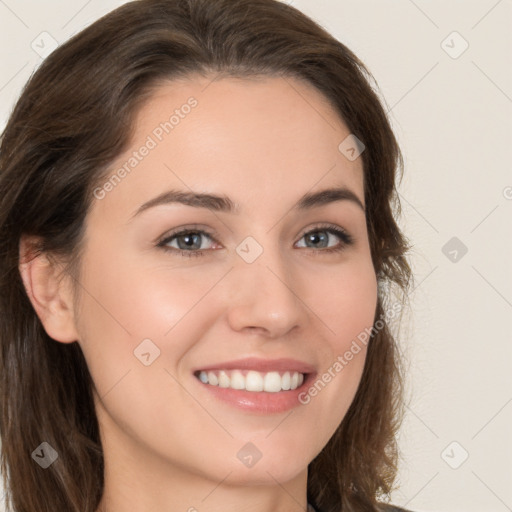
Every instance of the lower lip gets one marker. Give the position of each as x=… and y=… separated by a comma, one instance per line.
x=259, y=401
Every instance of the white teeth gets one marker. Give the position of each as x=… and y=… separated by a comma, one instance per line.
x=254, y=381
x=286, y=381
x=237, y=380
x=224, y=381
x=271, y=382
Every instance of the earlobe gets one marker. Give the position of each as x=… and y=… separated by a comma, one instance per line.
x=48, y=292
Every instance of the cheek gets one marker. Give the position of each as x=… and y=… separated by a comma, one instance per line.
x=345, y=301
x=355, y=309
x=137, y=301
x=124, y=304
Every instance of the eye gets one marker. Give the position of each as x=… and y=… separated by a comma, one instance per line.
x=320, y=236
x=189, y=242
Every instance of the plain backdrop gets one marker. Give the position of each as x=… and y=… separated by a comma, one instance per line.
x=444, y=70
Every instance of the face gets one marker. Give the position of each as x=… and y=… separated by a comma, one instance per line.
x=185, y=298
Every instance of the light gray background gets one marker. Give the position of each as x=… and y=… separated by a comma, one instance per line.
x=452, y=115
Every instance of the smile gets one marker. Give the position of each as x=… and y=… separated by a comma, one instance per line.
x=250, y=380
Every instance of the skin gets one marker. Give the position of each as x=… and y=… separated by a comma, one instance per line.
x=167, y=442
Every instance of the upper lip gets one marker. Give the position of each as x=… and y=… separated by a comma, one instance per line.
x=261, y=365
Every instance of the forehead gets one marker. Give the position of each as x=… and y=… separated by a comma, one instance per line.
x=258, y=140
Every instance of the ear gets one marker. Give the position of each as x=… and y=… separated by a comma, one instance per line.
x=49, y=289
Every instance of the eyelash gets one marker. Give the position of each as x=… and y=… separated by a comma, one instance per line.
x=346, y=240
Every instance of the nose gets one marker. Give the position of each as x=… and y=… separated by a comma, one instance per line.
x=264, y=297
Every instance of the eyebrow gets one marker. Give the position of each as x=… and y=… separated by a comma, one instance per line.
x=222, y=203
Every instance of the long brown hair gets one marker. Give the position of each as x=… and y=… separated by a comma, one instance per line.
x=75, y=116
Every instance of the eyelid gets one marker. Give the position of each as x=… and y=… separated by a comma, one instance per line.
x=326, y=226
x=185, y=229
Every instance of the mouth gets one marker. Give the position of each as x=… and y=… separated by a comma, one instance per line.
x=251, y=380
x=257, y=385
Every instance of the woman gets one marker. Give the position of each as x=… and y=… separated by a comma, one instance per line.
x=261, y=375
